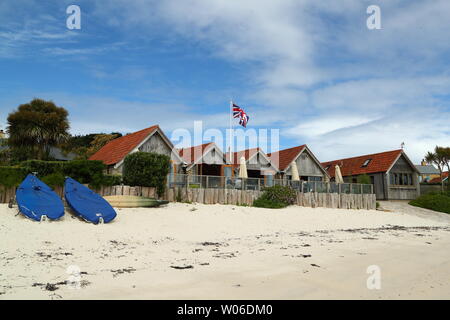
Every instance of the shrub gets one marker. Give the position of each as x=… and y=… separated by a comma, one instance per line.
x=276, y=197
x=43, y=168
x=363, y=179
x=11, y=176
x=53, y=173
x=434, y=201
x=54, y=179
x=146, y=170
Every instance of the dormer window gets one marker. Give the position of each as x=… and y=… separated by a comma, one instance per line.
x=366, y=163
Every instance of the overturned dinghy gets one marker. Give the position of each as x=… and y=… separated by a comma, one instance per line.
x=38, y=201
x=86, y=203
x=134, y=202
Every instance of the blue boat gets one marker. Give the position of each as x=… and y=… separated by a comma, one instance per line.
x=37, y=200
x=86, y=203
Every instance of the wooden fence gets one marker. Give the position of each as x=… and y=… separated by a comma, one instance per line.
x=8, y=193
x=228, y=196
x=246, y=197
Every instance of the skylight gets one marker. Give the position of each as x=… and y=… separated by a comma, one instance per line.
x=366, y=163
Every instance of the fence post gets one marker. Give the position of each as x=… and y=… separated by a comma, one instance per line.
x=207, y=182
x=314, y=186
x=351, y=188
x=339, y=188
x=362, y=190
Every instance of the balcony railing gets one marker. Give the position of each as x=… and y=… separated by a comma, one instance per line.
x=199, y=181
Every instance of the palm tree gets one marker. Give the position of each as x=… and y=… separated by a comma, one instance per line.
x=446, y=157
x=438, y=158
x=37, y=125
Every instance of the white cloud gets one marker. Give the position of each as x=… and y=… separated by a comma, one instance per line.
x=313, y=68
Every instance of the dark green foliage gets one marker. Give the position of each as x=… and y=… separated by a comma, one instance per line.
x=105, y=180
x=84, y=171
x=11, y=176
x=363, y=179
x=53, y=180
x=42, y=168
x=276, y=197
x=37, y=125
x=263, y=202
x=434, y=201
x=146, y=170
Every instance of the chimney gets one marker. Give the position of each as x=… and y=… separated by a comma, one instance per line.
x=423, y=163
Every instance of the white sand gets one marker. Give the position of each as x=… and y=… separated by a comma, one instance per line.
x=252, y=254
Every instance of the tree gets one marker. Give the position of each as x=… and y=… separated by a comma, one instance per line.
x=99, y=141
x=446, y=157
x=86, y=145
x=37, y=126
x=440, y=159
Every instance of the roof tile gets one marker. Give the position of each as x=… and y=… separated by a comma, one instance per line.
x=117, y=149
x=379, y=162
x=283, y=158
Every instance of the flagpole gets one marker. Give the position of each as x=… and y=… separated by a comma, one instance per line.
x=231, y=130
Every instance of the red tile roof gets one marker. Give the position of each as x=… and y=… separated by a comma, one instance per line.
x=115, y=150
x=380, y=162
x=188, y=154
x=438, y=179
x=283, y=158
x=247, y=154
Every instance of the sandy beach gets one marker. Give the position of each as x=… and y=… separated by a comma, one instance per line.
x=193, y=251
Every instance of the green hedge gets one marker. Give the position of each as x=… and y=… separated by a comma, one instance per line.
x=11, y=176
x=276, y=197
x=433, y=201
x=53, y=173
x=146, y=170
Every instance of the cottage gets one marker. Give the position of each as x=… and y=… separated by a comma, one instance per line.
x=257, y=162
x=427, y=172
x=309, y=168
x=392, y=173
x=205, y=159
x=151, y=139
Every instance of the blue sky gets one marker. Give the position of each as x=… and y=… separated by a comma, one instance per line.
x=311, y=69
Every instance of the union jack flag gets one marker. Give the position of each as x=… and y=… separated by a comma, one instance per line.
x=238, y=112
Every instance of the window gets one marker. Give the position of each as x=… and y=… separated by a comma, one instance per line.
x=366, y=163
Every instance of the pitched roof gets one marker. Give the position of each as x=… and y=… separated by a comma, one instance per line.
x=438, y=179
x=283, y=158
x=247, y=154
x=117, y=149
x=189, y=154
x=427, y=169
x=379, y=162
